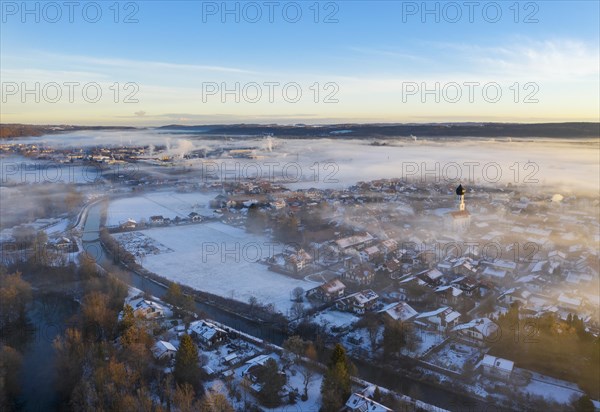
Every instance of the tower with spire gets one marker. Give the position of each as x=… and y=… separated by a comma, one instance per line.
x=459, y=220
x=460, y=192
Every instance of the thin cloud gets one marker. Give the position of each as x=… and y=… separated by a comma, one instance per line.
x=388, y=53
x=143, y=64
x=562, y=59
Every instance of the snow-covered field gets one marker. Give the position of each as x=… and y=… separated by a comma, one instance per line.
x=52, y=226
x=138, y=244
x=222, y=260
x=168, y=204
x=57, y=228
x=552, y=389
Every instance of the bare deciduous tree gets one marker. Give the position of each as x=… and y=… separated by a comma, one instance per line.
x=297, y=310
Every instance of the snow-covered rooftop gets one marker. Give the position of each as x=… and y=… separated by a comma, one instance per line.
x=499, y=363
x=401, y=311
x=482, y=325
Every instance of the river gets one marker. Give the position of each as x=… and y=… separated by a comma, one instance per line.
x=48, y=316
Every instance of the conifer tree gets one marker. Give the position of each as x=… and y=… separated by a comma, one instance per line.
x=186, y=363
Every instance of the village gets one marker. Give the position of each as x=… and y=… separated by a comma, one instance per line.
x=300, y=206
x=439, y=282
x=444, y=292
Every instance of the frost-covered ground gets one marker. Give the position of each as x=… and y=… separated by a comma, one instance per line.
x=294, y=381
x=335, y=319
x=138, y=244
x=551, y=388
x=168, y=204
x=453, y=356
x=222, y=260
x=52, y=226
x=57, y=228
x=424, y=341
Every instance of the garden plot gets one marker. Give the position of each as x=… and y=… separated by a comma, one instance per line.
x=138, y=244
x=222, y=260
x=167, y=204
x=335, y=321
x=453, y=356
x=425, y=340
x=215, y=358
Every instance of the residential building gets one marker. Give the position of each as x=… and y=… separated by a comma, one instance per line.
x=147, y=309
x=497, y=368
x=207, y=334
x=439, y=319
x=399, y=311
x=480, y=331
x=163, y=350
x=359, y=302
x=360, y=403
x=329, y=291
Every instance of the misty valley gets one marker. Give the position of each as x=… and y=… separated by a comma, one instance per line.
x=145, y=266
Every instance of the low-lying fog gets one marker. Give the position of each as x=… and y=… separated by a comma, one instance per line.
x=566, y=164
x=564, y=171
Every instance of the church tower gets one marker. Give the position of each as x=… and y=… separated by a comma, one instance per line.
x=459, y=220
x=460, y=192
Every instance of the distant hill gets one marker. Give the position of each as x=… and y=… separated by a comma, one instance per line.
x=347, y=131
x=556, y=130
x=9, y=130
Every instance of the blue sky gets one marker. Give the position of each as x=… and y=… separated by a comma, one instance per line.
x=373, y=61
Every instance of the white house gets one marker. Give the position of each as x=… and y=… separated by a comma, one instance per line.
x=440, y=319
x=195, y=217
x=497, y=367
x=358, y=302
x=360, y=403
x=157, y=220
x=328, y=291
x=479, y=331
x=146, y=308
x=163, y=350
x=129, y=224
x=400, y=311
